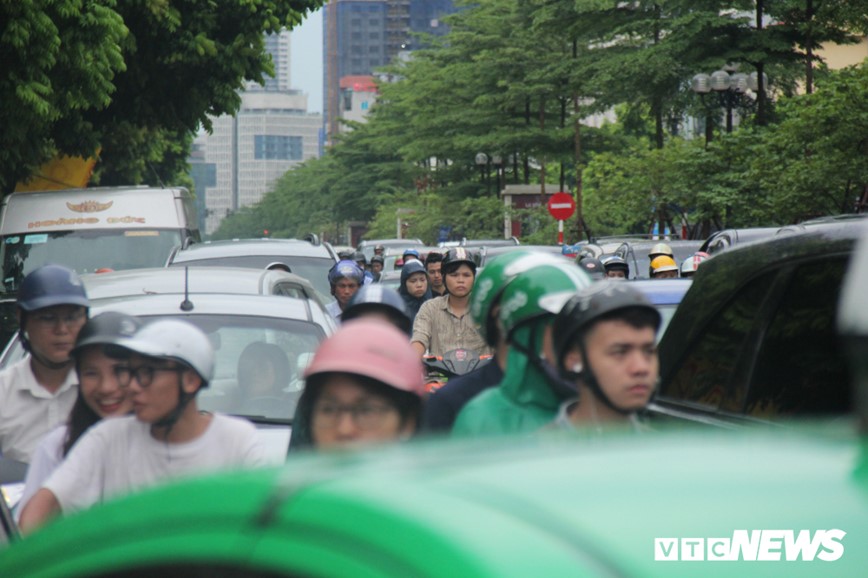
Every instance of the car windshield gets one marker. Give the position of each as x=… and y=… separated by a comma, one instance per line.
x=314, y=269
x=86, y=251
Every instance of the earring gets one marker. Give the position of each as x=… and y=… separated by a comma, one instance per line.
x=577, y=368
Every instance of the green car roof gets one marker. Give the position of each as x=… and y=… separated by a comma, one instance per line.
x=506, y=508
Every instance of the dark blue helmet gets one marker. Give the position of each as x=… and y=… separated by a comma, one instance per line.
x=348, y=269
x=51, y=285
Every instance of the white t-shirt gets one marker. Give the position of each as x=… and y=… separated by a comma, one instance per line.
x=119, y=456
x=46, y=458
x=28, y=411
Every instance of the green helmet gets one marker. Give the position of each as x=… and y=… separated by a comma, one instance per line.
x=492, y=280
x=538, y=291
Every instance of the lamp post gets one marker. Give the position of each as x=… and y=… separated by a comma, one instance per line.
x=481, y=162
x=497, y=161
x=732, y=89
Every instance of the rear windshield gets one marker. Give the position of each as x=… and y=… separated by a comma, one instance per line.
x=85, y=251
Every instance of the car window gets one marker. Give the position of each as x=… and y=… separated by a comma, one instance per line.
x=274, y=351
x=800, y=369
x=707, y=372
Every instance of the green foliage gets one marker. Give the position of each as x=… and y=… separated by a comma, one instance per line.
x=132, y=77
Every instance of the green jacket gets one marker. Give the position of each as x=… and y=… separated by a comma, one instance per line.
x=522, y=402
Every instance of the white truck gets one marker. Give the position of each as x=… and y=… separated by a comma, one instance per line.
x=96, y=229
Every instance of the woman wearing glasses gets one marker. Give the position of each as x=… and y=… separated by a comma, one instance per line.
x=169, y=362
x=364, y=386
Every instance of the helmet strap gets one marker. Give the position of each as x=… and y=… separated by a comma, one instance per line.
x=168, y=421
x=590, y=380
x=563, y=388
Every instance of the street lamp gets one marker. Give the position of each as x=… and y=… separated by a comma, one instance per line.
x=481, y=162
x=732, y=89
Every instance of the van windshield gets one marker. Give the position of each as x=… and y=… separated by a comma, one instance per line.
x=85, y=251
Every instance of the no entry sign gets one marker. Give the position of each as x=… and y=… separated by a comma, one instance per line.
x=561, y=206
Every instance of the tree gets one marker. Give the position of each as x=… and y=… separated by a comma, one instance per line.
x=132, y=77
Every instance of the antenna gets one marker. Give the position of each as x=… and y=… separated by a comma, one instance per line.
x=186, y=304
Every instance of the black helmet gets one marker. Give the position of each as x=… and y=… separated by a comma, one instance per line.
x=616, y=263
x=107, y=328
x=592, y=303
x=51, y=285
x=593, y=267
x=377, y=297
x=346, y=255
x=456, y=257
x=359, y=257
x=378, y=259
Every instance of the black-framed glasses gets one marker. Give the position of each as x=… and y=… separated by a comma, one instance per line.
x=143, y=374
x=365, y=415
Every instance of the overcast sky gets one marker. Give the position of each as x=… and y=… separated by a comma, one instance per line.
x=306, y=60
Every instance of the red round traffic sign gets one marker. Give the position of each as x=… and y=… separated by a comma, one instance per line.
x=561, y=206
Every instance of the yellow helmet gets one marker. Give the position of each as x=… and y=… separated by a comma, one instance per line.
x=663, y=263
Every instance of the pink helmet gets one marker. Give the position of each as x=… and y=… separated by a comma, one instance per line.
x=374, y=349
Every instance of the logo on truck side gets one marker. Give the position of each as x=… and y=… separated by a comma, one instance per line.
x=89, y=206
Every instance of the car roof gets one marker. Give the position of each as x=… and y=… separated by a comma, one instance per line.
x=662, y=291
x=244, y=247
x=198, y=280
x=390, y=242
x=215, y=304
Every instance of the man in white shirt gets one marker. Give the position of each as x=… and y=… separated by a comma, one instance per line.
x=37, y=393
x=167, y=438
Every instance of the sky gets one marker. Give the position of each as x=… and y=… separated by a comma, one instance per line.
x=306, y=60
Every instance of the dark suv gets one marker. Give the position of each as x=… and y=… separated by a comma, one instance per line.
x=754, y=338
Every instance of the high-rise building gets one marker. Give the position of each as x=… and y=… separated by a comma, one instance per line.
x=247, y=153
x=360, y=36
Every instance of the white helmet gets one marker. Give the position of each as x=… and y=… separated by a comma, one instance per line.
x=177, y=340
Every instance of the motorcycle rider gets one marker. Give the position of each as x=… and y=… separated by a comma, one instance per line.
x=38, y=392
x=692, y=263
x=616, y=267
x=364, y=386
x=664, y=267
x=444, y=404
x=170, y=361
x=433, y=264
x=362, y=262
x=444, y=323
x=377, y=264
x=532, y=389
x=345, y=279
x=605, y=340
x=659, y=250
x=414, y=286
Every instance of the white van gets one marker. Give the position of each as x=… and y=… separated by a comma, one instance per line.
x=93, y=229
